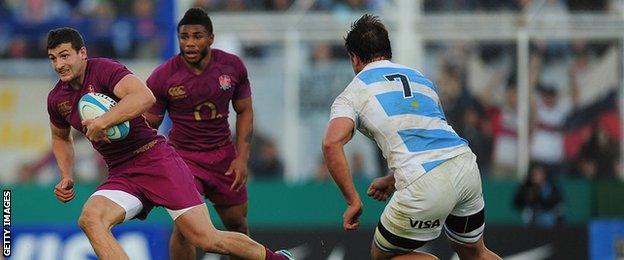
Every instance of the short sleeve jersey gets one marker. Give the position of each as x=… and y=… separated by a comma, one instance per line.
x=101, y=76
x=198, y=105
x=399, y=108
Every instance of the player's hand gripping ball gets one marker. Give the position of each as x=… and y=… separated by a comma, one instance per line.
x=93, y=105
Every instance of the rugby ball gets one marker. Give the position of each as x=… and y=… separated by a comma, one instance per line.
x=93, y=105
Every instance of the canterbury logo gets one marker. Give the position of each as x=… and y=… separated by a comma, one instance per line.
x=64, y=108
x=177, y=92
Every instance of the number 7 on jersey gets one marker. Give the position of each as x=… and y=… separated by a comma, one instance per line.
x=407, y=91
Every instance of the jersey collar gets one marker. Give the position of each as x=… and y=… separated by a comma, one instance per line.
x=375, y=64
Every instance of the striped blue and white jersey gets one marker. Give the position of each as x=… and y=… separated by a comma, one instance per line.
x=399, y=108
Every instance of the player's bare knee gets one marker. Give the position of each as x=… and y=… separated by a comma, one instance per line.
x=89, y=219
x=83, y=223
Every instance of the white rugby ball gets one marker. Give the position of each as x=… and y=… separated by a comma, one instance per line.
x=93, y=105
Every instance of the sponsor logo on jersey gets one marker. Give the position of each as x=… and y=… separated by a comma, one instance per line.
x=225, y=82
x=424, y=223
x=64, y=108
x=177, y=92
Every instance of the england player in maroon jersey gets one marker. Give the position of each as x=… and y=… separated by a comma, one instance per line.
x=196, y=88
x=143, y=170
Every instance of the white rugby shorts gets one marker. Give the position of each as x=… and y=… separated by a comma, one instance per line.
x=447, y=197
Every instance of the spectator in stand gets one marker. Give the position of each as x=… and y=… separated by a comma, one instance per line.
x=4, y=9
x=147, y=39
x=454, y=95
x=589, y=6
x=547, y=145
x=18, y=48
x=358, y=168
x=321, y=173
x=235, y=6
x=37, y=12
x=350, y=5
x=539, y=199
x=208, y=5
x=277, y=5
x=265, y=162
x=103, y=17
x=89, y=166
x=476, y=130
x=505, y=133
x=599, y=156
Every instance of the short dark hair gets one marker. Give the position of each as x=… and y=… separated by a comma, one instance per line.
x=196, y=15
x=368, y=39
x=62, y=35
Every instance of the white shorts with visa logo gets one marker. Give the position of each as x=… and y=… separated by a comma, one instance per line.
x=418, y=212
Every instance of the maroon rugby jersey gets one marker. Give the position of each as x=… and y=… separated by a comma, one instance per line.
x=198, y=105
x=101, y=76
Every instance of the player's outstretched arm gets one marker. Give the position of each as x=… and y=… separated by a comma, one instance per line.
x=338, y=133
x=63, y=149
x=135, y=97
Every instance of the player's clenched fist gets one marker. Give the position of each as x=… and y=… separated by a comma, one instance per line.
x=351, y=216
x=381, y=188
x=64, y=190
x=95, y=131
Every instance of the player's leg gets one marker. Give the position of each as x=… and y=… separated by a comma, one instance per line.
x=230, y=205
x=234, y=217
x=465, y=236
x=377, y=254
x=413, y=216
x=179, y=247
x=476, y=250
x=103, y=210
x=190, y=214
x=211, y=181
x=195, y=224
x=465, y=225
x=382, y=249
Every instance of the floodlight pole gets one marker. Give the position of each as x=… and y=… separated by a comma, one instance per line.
x=524, y=102
x=292, y=64
x=409, y=42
